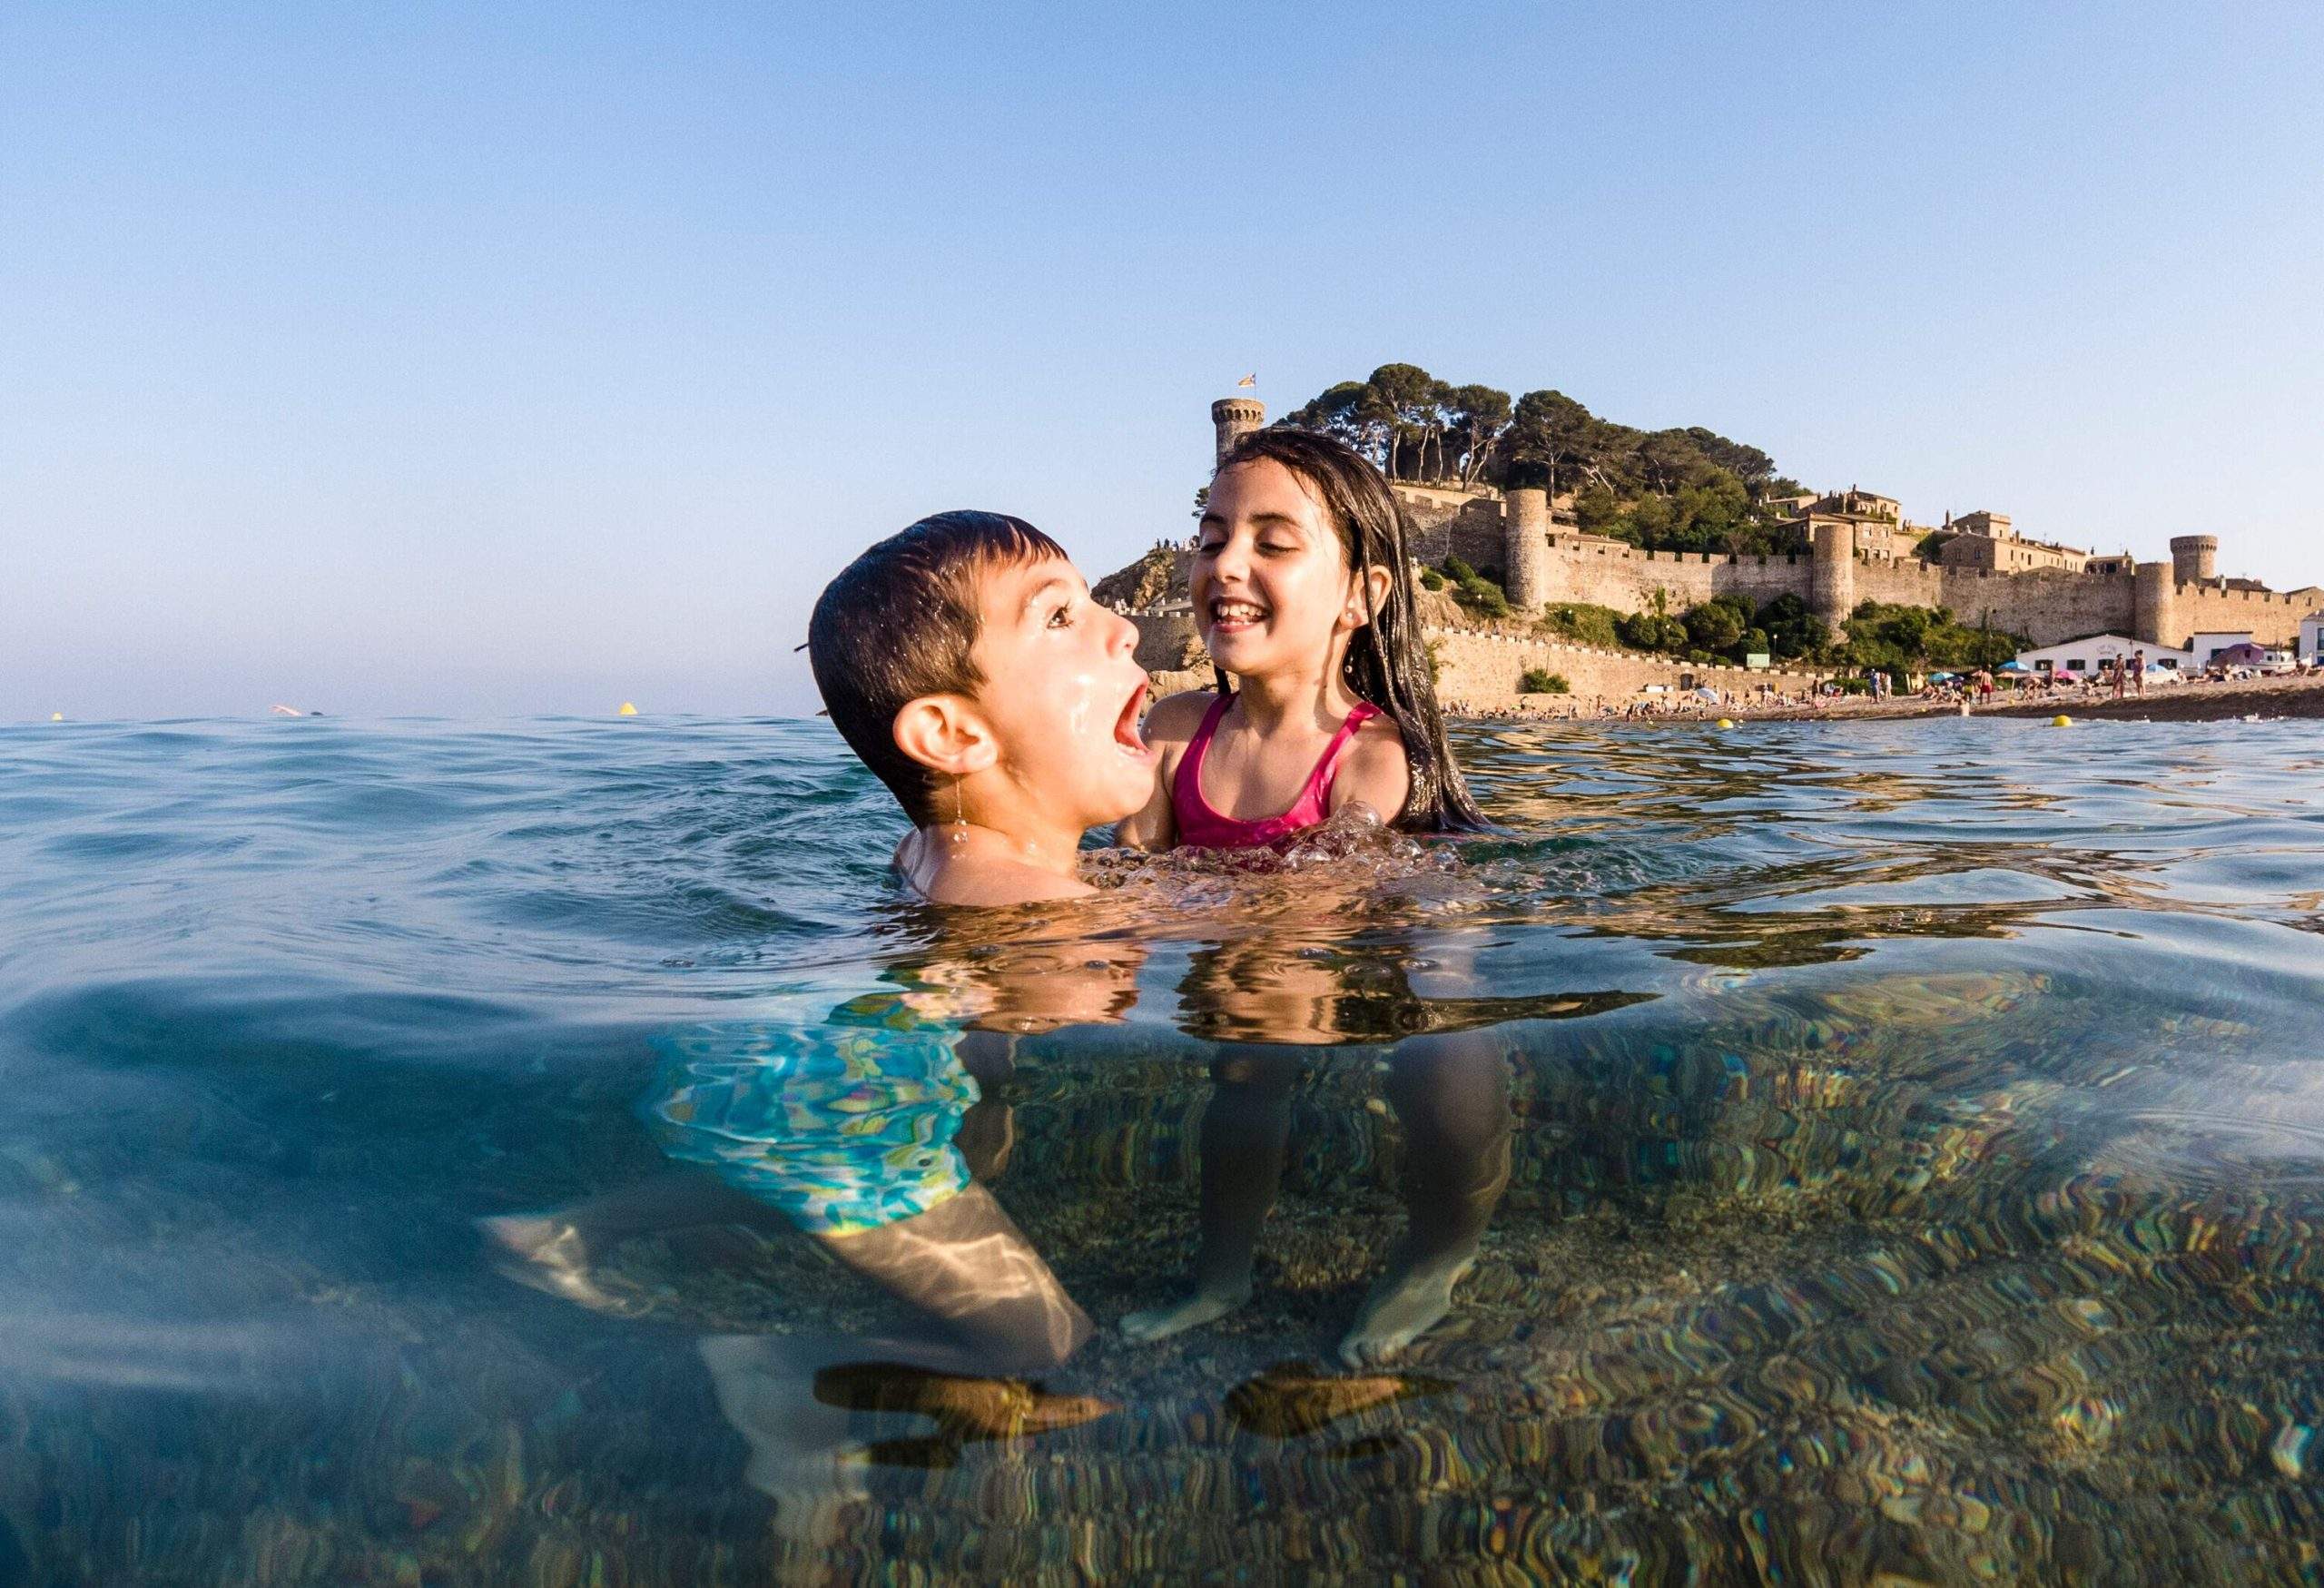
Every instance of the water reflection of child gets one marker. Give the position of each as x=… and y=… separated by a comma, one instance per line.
x=1302, y=590
x=1450, y=1092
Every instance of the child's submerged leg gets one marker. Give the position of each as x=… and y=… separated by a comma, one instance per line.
x=554, y=1251
x=965, y=1265
x=1244, y=1129
x=1450, y=1093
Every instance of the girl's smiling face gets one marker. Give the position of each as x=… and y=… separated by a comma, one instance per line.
x=1271, y=587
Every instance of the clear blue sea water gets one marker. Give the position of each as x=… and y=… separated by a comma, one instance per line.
x=1916, y=1142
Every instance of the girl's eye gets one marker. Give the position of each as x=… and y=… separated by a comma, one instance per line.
x=1208, y=548
x=1061, y=618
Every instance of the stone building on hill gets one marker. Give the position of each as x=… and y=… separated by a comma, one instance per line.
x=1849, y=546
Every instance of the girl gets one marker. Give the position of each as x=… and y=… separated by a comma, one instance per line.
x=1302, y=591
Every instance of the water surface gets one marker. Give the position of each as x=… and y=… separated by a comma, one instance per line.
x=1916, y=1133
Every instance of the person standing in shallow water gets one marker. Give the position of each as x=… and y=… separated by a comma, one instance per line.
x=1302, y=592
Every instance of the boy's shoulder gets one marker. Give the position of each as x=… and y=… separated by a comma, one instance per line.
x=1177, y=716
x=978, y=881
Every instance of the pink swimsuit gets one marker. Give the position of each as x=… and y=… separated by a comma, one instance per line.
x=1201, y=827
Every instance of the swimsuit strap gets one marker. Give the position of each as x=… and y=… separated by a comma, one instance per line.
x=1188, y=779
x=1327, y=765
x=1202, y=825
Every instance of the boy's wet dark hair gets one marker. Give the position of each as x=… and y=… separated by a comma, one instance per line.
x=1385, y=662
x=900, y=622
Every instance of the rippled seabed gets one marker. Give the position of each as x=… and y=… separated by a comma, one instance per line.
x=1916, y=1151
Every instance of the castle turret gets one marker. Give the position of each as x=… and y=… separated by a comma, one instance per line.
x=2194, y=558
x=2154, y=613
x=1235, y=418
x=1525, y=533
x=1831, y=571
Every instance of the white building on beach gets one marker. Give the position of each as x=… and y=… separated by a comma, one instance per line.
x=2311, y=638
x=2088, y=656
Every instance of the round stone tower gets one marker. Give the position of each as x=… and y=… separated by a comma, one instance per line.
x=2154, y=611
x=1235, y=418
x=1831, y=572
x=1525, y=545
x=2194, y=558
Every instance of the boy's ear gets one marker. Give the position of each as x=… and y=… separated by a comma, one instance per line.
x=945, y=733
x=1374, y=582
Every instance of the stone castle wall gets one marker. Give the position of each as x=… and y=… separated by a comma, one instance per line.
x=1479, y=668
x=2045, y=607
x=1474, y=665
x=1441, y=523
x=2272, y=616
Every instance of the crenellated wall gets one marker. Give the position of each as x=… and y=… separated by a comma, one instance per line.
x=1474, y=666
x=2272, y=616
x=2045, y=607
x=1442, y=522
x=1478, y=668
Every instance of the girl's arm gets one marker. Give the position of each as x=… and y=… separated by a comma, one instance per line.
x=1168, y=727
x=1374, y=772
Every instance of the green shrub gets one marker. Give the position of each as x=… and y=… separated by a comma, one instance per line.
x=1581, y=623
x=1429, y=580
x=1482, y=596
x=1538, y=682
x=1459, y=572
x=1649, y=631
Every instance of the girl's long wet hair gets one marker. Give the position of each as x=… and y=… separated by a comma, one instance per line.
x=1385, y=662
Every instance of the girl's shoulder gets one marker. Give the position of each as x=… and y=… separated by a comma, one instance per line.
x=1177, y=718
x=1378, y=738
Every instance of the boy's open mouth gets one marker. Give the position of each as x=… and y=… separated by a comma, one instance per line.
x=1125, y=735
x=1232, y=615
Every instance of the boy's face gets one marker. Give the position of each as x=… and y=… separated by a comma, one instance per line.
x=1062, y=694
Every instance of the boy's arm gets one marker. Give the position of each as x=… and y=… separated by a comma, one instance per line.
x=1375, y=772
x=1168, y=726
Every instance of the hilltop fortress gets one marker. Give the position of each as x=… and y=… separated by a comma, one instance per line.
x=1852, y=546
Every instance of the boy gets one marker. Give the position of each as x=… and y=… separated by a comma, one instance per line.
x=965, y=663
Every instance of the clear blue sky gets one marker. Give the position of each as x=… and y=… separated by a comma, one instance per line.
x=410, y=360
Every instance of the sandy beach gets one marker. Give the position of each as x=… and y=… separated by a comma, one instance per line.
x=2280, y=696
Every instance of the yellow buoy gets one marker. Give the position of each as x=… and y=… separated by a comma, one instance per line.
x=1727, y=722
x=57, y=717
x=627, y=710
x=2062, y=721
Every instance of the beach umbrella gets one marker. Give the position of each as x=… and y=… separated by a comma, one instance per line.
x=1941, y=678
x=2013, y=666
x=1706, y=692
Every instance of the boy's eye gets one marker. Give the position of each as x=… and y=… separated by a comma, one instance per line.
x=1209, y=546
x=1061, y=618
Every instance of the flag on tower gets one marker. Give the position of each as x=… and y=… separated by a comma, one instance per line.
x=1250, y=380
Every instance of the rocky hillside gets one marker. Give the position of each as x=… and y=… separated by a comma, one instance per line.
x=1158, y=576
